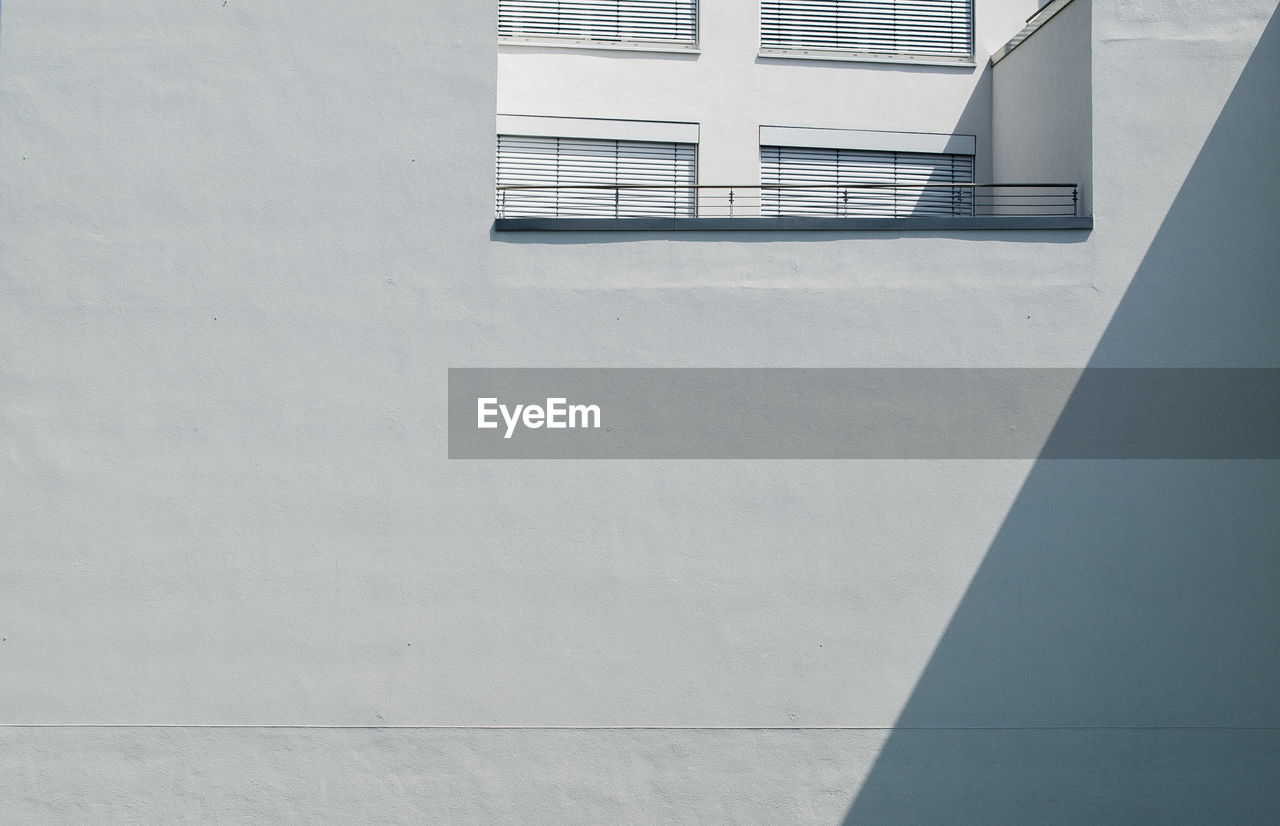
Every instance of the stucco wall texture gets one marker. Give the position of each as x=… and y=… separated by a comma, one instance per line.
x=240, y=245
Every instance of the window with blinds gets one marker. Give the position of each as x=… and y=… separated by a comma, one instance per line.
x=550, y=177
x=808, y=181
x=604, y=21
x=932, y=28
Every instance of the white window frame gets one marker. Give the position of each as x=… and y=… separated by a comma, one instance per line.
x=539, y=25
x=835, y=40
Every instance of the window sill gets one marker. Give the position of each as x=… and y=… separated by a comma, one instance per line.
x=868, y=57
x=599, y=45
x=796, y=224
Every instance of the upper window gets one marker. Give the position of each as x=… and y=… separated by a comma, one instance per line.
x=940, y=29
x=610, y=22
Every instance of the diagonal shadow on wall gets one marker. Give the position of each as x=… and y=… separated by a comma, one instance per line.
x=1116, y=657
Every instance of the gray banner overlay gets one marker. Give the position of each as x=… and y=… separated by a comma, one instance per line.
x=811, y=413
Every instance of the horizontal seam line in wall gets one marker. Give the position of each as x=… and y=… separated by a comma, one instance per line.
x=633, y=728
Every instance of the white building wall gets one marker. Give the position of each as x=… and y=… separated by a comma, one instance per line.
x=1042, y=113
x=241, y=244
x=731, y=90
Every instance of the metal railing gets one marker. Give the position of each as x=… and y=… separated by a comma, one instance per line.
x=813, y=200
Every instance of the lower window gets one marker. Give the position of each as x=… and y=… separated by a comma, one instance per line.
x=837, y=181
x=572, y=177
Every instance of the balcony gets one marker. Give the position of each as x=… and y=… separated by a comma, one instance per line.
x=796, y=206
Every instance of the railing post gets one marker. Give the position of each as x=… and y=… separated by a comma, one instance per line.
x=1075, y=201
x=730, y=202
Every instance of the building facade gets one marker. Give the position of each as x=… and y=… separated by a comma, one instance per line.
x=880, y=107
x=241, y=244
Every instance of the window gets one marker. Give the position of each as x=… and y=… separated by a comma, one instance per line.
x=580, y=168
x=601, y=21
x=941, y=29
x=835, y=172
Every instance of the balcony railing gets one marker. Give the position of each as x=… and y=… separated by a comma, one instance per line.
x=804, y=200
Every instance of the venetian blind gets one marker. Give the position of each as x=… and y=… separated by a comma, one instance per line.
x=940, y=28
x=592, y=178
x=613, y=21
x=839, y=182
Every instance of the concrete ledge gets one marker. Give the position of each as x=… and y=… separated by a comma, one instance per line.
x=923, y=223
